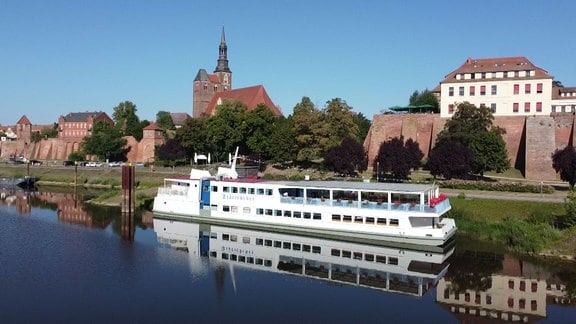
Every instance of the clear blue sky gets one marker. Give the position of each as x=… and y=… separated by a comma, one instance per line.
x=61, y=56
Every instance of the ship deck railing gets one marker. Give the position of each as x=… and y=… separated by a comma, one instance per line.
x=407, y=207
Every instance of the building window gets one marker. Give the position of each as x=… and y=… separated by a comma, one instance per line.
x=538, y=87
x=516, y=74
x=539, y=106
x=451, y=91
x=527, y=88
x=494, y=92
x=493, y=107
x=451, y=109
x=461, y=91
x=554, y=109
x=515, y=107
x=483, y=75
x=526, y=107
x=516, y=89
x=472, y=90
x=482, y=90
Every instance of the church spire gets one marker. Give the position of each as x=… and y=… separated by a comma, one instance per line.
x=223, y=56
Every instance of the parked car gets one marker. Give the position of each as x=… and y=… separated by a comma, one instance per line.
x=68, y=163
x=94, y=164
x=35, y=162
x=114, y=164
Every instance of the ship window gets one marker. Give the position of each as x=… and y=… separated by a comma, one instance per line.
x=287, y=245
x=268, y=192
x=234, y=209
x=317, y=216
x=277, y=212
x=233, y=238
x=245, y=240
x=206, y=188
x=269, y=212
x=268, y=242
x=393, y=260
x=335, y=252
x=277, y=244
x=224, y=256
x=307, y=215
x=347, y=218
x=233, y=257
x=234, y=189
x=369, y=257
x=316, y=249
x=250, y=191
x=242, y=258
x=259, y=241
x=369, y=220
x=214, y=189
x=336, y=217
x=214, y=207
x=358, y=219
x=213, y=254
x=346, y=254
x=296, y=246
x=297, y=214
x=225, y=237
x=357, y=256
x=306, y=248
x=380, y=259
x=242, y=190
x=213, y=235
x=267, y=263
x=287, y=213
x=226, y=189
x=250, y=260
x=260, y=191
x=393, y=222
x=259, y=211
x=246, y=210
x=259, y=261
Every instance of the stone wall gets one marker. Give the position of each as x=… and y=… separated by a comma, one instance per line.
x=530, y=141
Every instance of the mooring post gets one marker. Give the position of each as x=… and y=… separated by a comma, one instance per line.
x=128, y=201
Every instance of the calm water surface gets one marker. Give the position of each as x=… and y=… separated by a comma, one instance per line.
x=63, y=261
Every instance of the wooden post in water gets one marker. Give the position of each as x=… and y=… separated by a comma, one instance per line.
x=128, y=201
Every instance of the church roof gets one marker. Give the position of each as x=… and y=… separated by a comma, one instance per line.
x=250, y=96
x=23, y=121
x=202, y=75
x=179, y=118
x=500, y=64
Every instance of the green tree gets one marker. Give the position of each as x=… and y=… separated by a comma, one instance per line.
x=311, y=131
x=473, y=127
x=341, y=123
x=227, y=128
x=425, y=97
x=260, y=124
x=193, y=136
x=106, y=142
x=363, y=125
x=283, y=141
x=164, y=120
x=125, y=117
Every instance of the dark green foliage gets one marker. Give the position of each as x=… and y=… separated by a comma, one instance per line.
x=395, y=158
x=450, y=159
x=502, y=186
x=425, y=97
x=564, y=162
x=106, y=142
x=227, y=129
x=193, y=136
x=473, y=128
x=569, y=219
x=164, y=120
x=45, y=133
x=363, y=125
x=347, y=157
x=260, y=123
x=283, y=137
x=125, y=117
x=76, y=156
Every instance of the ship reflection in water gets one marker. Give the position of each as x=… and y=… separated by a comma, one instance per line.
x=389, y=269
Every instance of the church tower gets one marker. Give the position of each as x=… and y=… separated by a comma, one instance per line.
x=206, y=85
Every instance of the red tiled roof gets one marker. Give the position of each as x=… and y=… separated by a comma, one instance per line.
x=250, y=96
x=152, y=126
x=517, y=63
x=213, y=78
x=23, y=121
x=558, y=91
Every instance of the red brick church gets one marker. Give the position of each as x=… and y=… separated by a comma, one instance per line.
x=211, y=90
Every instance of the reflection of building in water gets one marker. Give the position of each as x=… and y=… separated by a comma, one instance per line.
x=19, y=199
x=519, y=292
x=389, y=269
x=70, y=210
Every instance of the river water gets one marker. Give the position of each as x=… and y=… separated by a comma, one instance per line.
x=67, y=262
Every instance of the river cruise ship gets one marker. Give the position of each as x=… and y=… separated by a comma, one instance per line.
x=379, y=267
x=365, y=211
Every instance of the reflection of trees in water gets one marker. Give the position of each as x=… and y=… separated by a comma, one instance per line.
x=473, y=270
